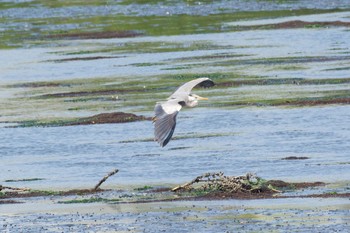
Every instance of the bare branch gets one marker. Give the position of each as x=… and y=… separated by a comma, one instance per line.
x=105, y=178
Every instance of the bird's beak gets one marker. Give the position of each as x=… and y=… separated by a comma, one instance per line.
x=202, y=98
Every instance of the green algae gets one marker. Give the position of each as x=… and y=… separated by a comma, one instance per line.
x=90, y=200
x=87, y=97
x=33, y=31
x=46, y=192
x=144, y=188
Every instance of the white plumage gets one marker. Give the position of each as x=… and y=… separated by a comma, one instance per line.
x=166, y=112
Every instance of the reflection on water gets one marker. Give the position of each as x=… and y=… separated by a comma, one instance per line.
x=253, y=140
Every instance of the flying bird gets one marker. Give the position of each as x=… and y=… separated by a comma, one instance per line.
x=166, y=112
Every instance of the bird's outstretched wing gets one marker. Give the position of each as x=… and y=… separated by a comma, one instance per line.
x=165, y=120
x=185, y=89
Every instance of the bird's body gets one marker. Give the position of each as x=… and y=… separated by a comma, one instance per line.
x=166, y=112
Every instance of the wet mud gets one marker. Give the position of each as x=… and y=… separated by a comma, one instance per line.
x=102, y=118
x=106, y=118
x=165, y=194
x=300, y=24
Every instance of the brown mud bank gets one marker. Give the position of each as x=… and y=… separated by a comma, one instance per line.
x=303, y=24
x=102, y=118
x=293, y=24
x=209, y=186
x=106, y=118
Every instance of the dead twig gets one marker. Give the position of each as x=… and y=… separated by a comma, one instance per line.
x=105, y=178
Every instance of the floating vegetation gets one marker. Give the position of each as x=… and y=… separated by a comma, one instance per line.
x=218, y=182
x=24, y=180
x=144, y=188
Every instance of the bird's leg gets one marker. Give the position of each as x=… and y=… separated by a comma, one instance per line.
x=154, y=119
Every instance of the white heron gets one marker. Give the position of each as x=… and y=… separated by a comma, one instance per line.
x=166, y=112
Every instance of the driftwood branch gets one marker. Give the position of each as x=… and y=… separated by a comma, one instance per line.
x=195, y=180
x=229, y=184
x=105, y=178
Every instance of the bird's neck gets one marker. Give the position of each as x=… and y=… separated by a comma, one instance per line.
x=191, y=103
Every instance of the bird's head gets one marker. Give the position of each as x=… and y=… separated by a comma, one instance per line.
x=193, y=99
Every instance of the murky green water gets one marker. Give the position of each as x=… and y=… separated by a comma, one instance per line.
x=281, y=92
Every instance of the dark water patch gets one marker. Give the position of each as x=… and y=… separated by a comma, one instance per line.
x=112, y=91
x=146, y=64
x=337, y=69
x=10, y=202
x=188, y=136
x=25, y=180
x=37, y=85
x=83, y=58
x=146, y=155
x=179, y=148
x=303, y=185
x=295, y=158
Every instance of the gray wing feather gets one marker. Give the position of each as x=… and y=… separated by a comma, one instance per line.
x=164, y=124
x=184, y=90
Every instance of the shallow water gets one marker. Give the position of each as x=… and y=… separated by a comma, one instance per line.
x=291, y=215
x=236, y=141
x=309, y=48
x=250, y=139
x=245, y=140
x=216, y=136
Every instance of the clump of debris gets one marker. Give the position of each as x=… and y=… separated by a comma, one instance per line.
x=218, y=182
